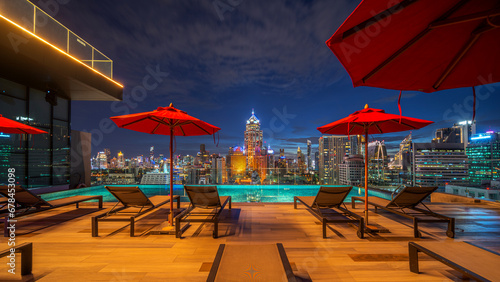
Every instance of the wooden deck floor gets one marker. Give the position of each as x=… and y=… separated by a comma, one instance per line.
x=65, y=251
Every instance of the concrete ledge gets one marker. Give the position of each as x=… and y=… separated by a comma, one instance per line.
x=438, y=197
x=450, y=198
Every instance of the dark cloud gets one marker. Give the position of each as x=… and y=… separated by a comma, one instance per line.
x=267, y=55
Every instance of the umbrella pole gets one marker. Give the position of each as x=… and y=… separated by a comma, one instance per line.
x=171, y=216
x=366, y=176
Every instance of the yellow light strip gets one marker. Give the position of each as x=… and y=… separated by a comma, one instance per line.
x=56, y=48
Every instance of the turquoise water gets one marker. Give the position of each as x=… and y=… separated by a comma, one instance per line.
x=239, y=193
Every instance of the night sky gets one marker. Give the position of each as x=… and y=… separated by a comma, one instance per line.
x=266, y=55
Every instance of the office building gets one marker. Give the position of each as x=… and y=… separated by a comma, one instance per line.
x=120, y=161
x=483, y=154
x=253, y=139
x=352, y=170
x=332, y=150
x=461, y=132
x=309, y=156
x=439, y=164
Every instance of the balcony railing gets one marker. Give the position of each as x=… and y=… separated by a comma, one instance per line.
x=483, y=175
x=34, y=20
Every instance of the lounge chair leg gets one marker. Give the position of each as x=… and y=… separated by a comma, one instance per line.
x=353, y=203
x=178, y=202
x=416, y=233
x=230, y=201
x=361, y=229
x=216, y=229
x=100, y=202
x=95, y=230
x=451, y=228
x=132, y=226
x=77, y=206
x=295, y=202
x=413, y=254
x=324, y=228
x=178, y=232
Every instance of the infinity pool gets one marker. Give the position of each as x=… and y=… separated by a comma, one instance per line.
x=239, y=193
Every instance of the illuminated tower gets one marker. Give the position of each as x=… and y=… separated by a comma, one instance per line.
x=253, y=138
x=120, y=160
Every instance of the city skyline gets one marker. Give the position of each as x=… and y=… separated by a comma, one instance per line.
x=219, y=68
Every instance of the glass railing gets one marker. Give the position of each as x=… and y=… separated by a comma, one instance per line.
x=480, y=180
x=36, y=21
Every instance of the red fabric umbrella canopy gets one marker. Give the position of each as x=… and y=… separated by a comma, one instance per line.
x=14, y=127
x=371, y=121
x=423, y=45
x=163, y=120
x=166, y=121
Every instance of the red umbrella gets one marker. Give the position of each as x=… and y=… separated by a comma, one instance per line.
x=422, y=45
x=10, y=126
x=166, y=121
x=371, y=121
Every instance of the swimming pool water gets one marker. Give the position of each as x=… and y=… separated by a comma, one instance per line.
x=239, y=193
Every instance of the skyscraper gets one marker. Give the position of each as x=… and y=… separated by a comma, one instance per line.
x=152, y=154
x=120, y=161
x=483, y=154
x=102, y=160
x=309, y=160
x=253, y=139
x=437, y=164
x=460, y=133
x=332, y=150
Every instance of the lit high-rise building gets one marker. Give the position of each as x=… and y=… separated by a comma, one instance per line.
x=377, y=162
x=483, y=154
x=439, y=164
x=309, y=157
x=253, y=139
x=120, y=161
x=352, y=170
x=152, y=154
x=332, y=150
x=460, y=133
x=102, y=160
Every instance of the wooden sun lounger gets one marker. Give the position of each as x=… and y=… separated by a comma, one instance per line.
x=475, y=262
x=134, y=205
x=27, y=203
x=405, y=204
x=327, y=207
x=204, y=198
x=250, y=262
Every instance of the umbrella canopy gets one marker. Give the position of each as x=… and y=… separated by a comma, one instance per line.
x=371, y=121
x=166, y=121
x=422, y=45
x=14, y=127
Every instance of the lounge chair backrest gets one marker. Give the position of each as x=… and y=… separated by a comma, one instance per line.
x=329, y=197
x=130, y=196
x=409, y=197
x=24, y=197
x=205, y=197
